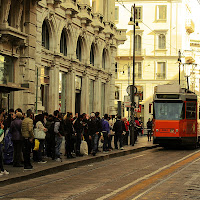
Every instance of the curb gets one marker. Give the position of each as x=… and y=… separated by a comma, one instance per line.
x=72, y=165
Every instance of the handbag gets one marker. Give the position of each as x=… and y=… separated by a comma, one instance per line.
x=39, y=134
x=37, y=145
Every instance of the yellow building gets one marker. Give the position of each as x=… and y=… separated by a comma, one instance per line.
x=164, y=29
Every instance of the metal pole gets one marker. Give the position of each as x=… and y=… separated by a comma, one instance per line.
x=36, y=92
x=133, y=86
x=128, y=85
x=179, y=73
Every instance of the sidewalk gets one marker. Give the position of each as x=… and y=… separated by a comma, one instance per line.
x=51, y=167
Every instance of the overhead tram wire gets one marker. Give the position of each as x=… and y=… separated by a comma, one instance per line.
x=122, y=4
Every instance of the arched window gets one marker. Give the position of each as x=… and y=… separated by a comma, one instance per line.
x=78, y=49
x=138, y=43
x=45, y=35
x=92, y=54
x=63, y=44
x=161, y=41
x=104, y=59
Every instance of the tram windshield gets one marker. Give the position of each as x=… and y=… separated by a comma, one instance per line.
x=169, y=111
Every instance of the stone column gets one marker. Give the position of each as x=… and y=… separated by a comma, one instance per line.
x=85, y=95
x=99, y=6
x=107, y=94
x=112, y=10
x=54, y=89
x=30, y=69
x=70, y=93
x=112, y=110
x=97, y=95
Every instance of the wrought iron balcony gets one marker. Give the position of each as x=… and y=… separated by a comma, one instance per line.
x=160, y=76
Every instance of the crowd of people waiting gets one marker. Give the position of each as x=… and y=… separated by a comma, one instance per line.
x=23, y=130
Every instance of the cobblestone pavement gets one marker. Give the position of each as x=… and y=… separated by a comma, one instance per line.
x=152, y=174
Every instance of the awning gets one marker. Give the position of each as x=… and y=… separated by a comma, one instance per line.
x=10, y=88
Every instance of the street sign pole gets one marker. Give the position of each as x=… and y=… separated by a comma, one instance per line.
x=132, y=138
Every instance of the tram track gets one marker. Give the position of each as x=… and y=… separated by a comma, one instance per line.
x=92, y=168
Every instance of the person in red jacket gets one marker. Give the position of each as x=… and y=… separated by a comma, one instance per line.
x=126, y=123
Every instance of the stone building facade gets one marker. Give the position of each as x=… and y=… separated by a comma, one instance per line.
x=66, y=55
x=165, y=27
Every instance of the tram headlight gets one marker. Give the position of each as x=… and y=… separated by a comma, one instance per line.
x=177, y=130
x=157, y=130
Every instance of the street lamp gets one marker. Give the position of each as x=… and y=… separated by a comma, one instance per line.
x=132, y=22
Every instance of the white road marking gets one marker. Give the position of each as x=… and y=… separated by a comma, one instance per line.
x=153, y=187
x=144, y=177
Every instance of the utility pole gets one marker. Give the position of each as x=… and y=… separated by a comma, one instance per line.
x=132, y=22
x=179, y=73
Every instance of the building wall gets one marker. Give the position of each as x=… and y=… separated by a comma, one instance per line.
x=177, y=37
x=41, y=68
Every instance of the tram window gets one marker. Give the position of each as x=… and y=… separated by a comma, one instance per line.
x=169, y=111
x=191, y=110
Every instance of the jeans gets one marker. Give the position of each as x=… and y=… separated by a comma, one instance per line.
x=95, y=140
x=58, y=141
x=105, y=142
x=118, y=137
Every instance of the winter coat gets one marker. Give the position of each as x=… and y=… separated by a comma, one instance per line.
x=105, y=126
x=27, y=128
x=15, y=129
x=119, y=127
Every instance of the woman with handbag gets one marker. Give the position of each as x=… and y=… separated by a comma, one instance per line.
x=3, y=171
x=39, y=133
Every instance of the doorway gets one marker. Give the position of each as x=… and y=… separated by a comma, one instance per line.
x=78, y=103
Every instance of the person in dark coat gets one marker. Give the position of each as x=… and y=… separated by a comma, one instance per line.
x=149, y=129
x=119, y=128
x=68, y=129
x=15, y=130
x=78, y=126
x=94, y=132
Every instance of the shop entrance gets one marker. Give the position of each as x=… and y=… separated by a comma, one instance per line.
x=78, y=102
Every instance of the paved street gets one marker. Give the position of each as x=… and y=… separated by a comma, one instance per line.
x=151, y=174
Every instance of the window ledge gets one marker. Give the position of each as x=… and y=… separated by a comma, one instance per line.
x=161, y=20
x=161, y=50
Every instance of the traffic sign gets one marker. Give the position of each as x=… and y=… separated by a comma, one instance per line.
x=128, y=89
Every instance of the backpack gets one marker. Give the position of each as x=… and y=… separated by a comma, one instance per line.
x=8, y=149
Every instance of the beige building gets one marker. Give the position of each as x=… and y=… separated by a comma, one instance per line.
x=164, y=28
x=66, y=54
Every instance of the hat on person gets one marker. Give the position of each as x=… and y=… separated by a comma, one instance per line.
x=92, y=115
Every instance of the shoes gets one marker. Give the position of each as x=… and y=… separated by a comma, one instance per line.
x=94, y=153
x=42, y=161
x=58, y=160
x=79, y=154
x=4, y=172
x=28, y=168
x=70, y=156
x=122, y=148
x=105, y=151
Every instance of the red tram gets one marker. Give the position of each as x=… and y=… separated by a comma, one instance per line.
x=175, y=116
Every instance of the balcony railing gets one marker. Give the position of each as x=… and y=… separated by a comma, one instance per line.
x=160, y=76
